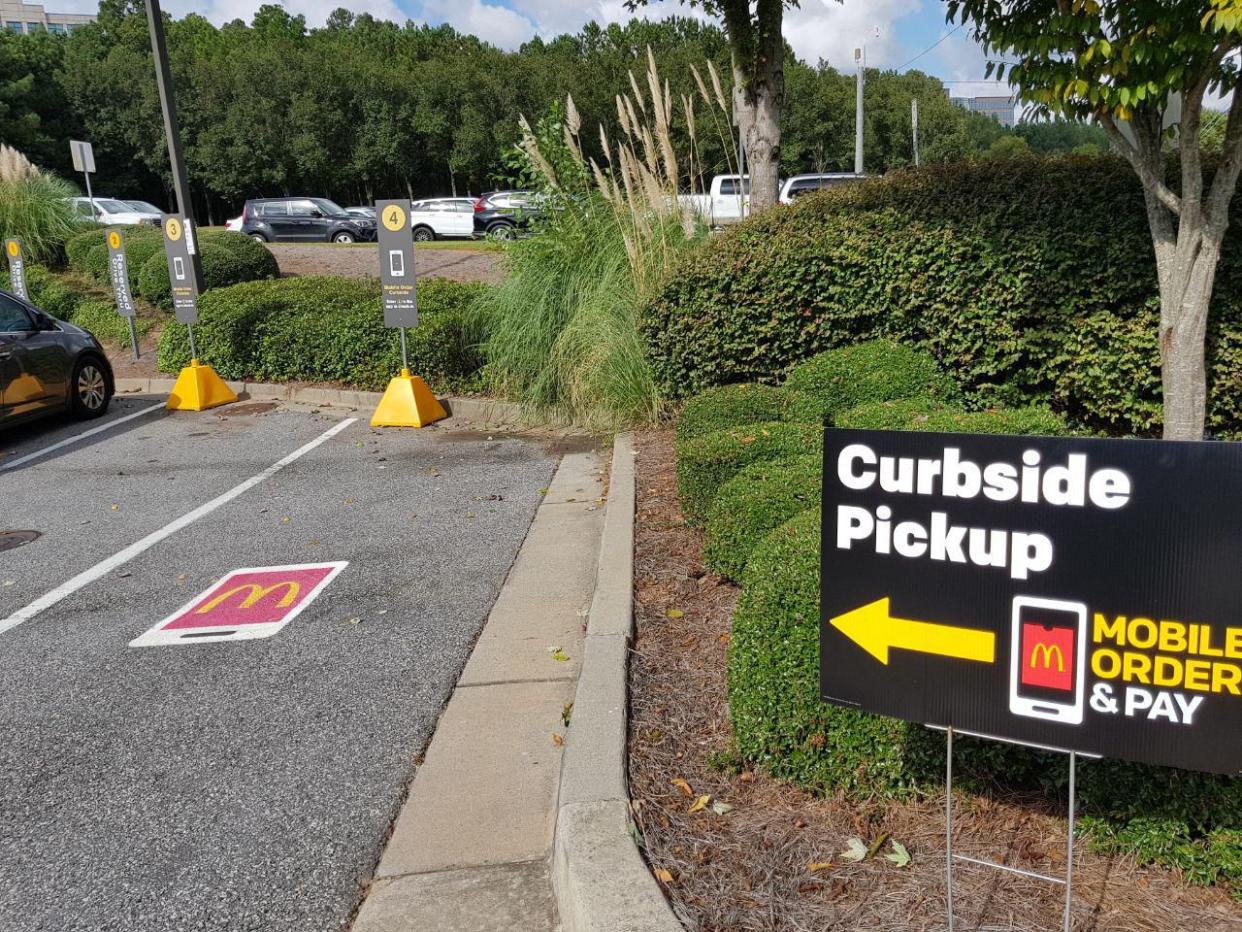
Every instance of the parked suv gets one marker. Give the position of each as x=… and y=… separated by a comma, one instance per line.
x=303, y=220
x=799, y=185
x=503, y=214
x=440, y=217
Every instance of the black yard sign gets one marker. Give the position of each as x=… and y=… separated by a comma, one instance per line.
x=1084, y=595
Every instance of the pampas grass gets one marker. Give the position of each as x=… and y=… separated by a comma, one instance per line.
x=33, y=207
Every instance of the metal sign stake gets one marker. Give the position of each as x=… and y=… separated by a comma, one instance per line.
x=133, y=338
x=193, y=348
x=949, y=857
x=405, y=362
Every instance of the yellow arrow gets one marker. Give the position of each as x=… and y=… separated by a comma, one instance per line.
x=877, y=632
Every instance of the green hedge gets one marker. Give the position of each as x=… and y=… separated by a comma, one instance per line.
x=878, y=370
x=925, y=414
x=256, y=260
x=327, y=330
x=730, y=406
x=1031, y=280
x=100, y=318
x=706, y=463
x=220, y=269
x=1192, y=821
x=752, y=504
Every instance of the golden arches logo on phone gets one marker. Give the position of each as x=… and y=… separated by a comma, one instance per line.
x=114, y=239
x=13, y=248
x=172, y=228
x=394, y=217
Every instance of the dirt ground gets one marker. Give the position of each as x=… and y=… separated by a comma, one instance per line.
x=762, y=855
x=462, y=264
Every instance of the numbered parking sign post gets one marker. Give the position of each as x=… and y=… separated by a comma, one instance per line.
x=1070, y=594
x=118, y=273
x=17, y=268
x=407, y=401
x=198, y=387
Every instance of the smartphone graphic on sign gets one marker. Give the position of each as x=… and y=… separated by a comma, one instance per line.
x=396, y=263
x=1048, y=659
x=179, y=268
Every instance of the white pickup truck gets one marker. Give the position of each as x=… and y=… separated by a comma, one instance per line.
x=728, y=202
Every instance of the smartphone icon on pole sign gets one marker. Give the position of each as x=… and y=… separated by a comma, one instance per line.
x=1048, y=659
x=396, y=263
x=179, y=268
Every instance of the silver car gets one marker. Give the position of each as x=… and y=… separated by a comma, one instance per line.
x=48, y=366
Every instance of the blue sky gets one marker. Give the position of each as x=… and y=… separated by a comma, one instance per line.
x=894, y=31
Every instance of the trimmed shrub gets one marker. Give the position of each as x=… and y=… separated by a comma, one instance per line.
x=752, y=504
x=706, y=463
x=78, y=245
x=1031, y=280
x=100, y=318
x=923, y=414
x=257, y=261
x=729, y=406
x=878, y=370
x=220, y=268
x=779, y=720
x=96, y=266
x=327, y=330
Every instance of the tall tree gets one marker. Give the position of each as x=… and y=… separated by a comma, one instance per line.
x=1121, y=62
x=758, y=53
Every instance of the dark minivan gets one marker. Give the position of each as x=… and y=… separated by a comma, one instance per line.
x=303, y=220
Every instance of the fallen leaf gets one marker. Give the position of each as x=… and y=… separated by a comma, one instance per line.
x=116, y=507
x=566, y=711
x=726, y=638
x=354, y=621
x=284, y=520
x=558, y=740
x=682, y=785
x=662, y=875
x=899, y=855
x=855, y=850
x=816, y=866
x=559, y=655
x=748, y=439
x=675, y=613
x=877, y=844
x=721, y=808
x=699, y=804
x=9, y=582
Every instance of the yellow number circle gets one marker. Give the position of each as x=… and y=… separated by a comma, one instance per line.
x=114, y=239
x=394, y=217
x=172, y=228
x=13, y=248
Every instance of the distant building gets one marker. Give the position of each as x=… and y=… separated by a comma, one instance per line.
x=1000, y=109
x=27, y=18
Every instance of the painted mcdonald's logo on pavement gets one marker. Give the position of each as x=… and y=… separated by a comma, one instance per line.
x=246, y=604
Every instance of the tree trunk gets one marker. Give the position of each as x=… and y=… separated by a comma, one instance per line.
x=758, y=107
x=409, y=191
x=1185, y=296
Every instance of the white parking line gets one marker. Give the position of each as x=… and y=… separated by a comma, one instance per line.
x=10, y=464
x=103, y=568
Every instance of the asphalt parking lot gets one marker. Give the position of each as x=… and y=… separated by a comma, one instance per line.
x=231, y=783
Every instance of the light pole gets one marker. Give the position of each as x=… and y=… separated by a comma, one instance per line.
x=914, y=126
x=172, y=131
x=860, y=59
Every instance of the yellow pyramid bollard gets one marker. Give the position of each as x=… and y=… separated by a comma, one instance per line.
x=199, y=388
x=407, y=402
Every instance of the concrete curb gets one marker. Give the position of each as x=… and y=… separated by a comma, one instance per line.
x=600, y=880
x=484, y=410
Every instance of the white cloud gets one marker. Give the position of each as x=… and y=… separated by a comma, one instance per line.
x=490, y=22
x=825, y=29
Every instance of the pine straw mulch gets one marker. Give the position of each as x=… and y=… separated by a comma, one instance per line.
x=751, y=867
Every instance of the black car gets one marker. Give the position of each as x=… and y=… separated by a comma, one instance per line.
x=48, y=366
x=504, y=214
x=303, y=220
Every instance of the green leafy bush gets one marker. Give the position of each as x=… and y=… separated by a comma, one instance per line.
x=729, y=406
x=878, y=370
x=752, y=504
x=78, y=245
x=50, y=293
x=220, y=268
x=706, y=463
x=100, y=318
x=327, y=330
x=257, y=261
x=924, y=414
x=1030, y=280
